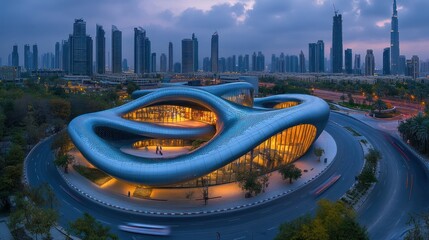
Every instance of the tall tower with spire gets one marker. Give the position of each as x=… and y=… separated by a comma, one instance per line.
x=394, y=41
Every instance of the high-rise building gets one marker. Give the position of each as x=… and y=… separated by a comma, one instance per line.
x=100, y=50
x=139, y=50
x=15, y=56
x=35, y=58
x=116, y=50
x=348, y=61
x=302, y=67
x=337, y=44
x=222, y=64
x=246, y=61
x=187, y=55
x=413, y=67
x=153, y=63
x=386, y=61
x=369, y=63
x=163, y=63
x=66, y=56
x=80, y=49
x=27, y=57
x=177, y=67
x=206, y=64
x=195, y=46
x=170, y=57
x=215, y=52
x=316, y=57
x=57, y=56
x=125, y=65
x=357, y=65
x=401, y=65
x=148, y=56
x=394, y=41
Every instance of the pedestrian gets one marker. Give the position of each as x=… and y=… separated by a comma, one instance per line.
x=129, y=194
x=160, y=148
x=157, y=149
x=160, y=153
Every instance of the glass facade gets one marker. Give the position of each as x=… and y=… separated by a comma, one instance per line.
x=240, y=96
x=286, y=105
x=282, y=148
x=170, y=114
x=163, y=142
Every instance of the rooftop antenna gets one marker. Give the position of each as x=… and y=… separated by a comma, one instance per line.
x=335, y=9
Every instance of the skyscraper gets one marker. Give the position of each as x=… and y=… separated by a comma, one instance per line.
x=15, y=56
x=369, y=63
x=349, y=61
x=116, y=50
x=386, y=61
x=170, y=57
x=187, y=56
x=153, y=63
x=80, y=49
x=215, y=52
x=35, y=58
x=401, y=65
x=357, y=66
x=147, y=55
x=27, y=57
x=139, y=50
x=125, y=65
x=413, y=67
x=337, y=44
x=66, y=56
x=316, y=57
x=57, y=56
x=195, y=46
x=206, y=64
x=302, y=67
x=163, y=63
x=246, y=63
x=394, y=41
x=100, y=50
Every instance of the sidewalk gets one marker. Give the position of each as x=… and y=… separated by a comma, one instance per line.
x=226, y=197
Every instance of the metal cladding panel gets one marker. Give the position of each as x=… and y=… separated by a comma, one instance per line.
x=239, y=130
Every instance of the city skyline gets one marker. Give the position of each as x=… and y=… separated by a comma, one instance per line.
x=366, y=26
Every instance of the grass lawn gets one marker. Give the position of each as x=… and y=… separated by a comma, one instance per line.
x=93, y=174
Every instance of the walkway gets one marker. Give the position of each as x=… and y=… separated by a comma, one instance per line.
x=226, y=197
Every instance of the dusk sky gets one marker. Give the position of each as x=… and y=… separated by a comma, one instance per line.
x=244, y=26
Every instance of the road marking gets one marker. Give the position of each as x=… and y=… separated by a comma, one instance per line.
x=271, y=228
x=37, y=177
x=77, y=209
x=242, y=237
x=234, y=219
x=66, y=202
x=406, y=182
x=104, y=222
x=411, y=187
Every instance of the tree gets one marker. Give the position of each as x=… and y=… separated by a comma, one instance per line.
x=380, y=105
x=87, y=228
x=290, y=171
x=419, y=226
x=131, y=87
x=250, y=182
x=60, y=108
x=318, y=152
x=367, y=177
x=373, y=156
x=333, y=220
x=342, y=98
x=63, y=161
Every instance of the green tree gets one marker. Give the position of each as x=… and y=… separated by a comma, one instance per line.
x=60, y=108
x=290, y=172
x=63, y=161
x=250, y=182
x=379, y=105
x=373, y=156
x=131, y=87
x=291, y=230
x=87, y=228
x=318, y=152
x=367, y=177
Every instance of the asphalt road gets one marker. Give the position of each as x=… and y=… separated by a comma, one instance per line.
x=385, y=212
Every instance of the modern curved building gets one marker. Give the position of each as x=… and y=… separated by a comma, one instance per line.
x=212, y=133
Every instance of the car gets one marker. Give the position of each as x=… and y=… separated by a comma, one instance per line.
x=145, y=229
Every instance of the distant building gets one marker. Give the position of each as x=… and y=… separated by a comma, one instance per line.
x=163, y=63
x=369, y=63
x=215, y=52
x=116, y=50
x=394, y=41
x=80, y=50
x=206, y=64
x=357, y=66
x=195, y=51
x=125, y=65
x=141, y=51
x=386, y=61
x=402, y=64
x=424, y=68
x=187, y=56
x=170, y=57
x=28, y=58
x=177, y=67
x=35, y=58
x=9, y=73
x=100, y=50
x=15, y=56
x=348, y=61
x=316, y=57
x=57, y=56
x=153, y=63
x=302, y=67
x=246, y=63
x=413, y=69
x=66, y=56
x=337, y=44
